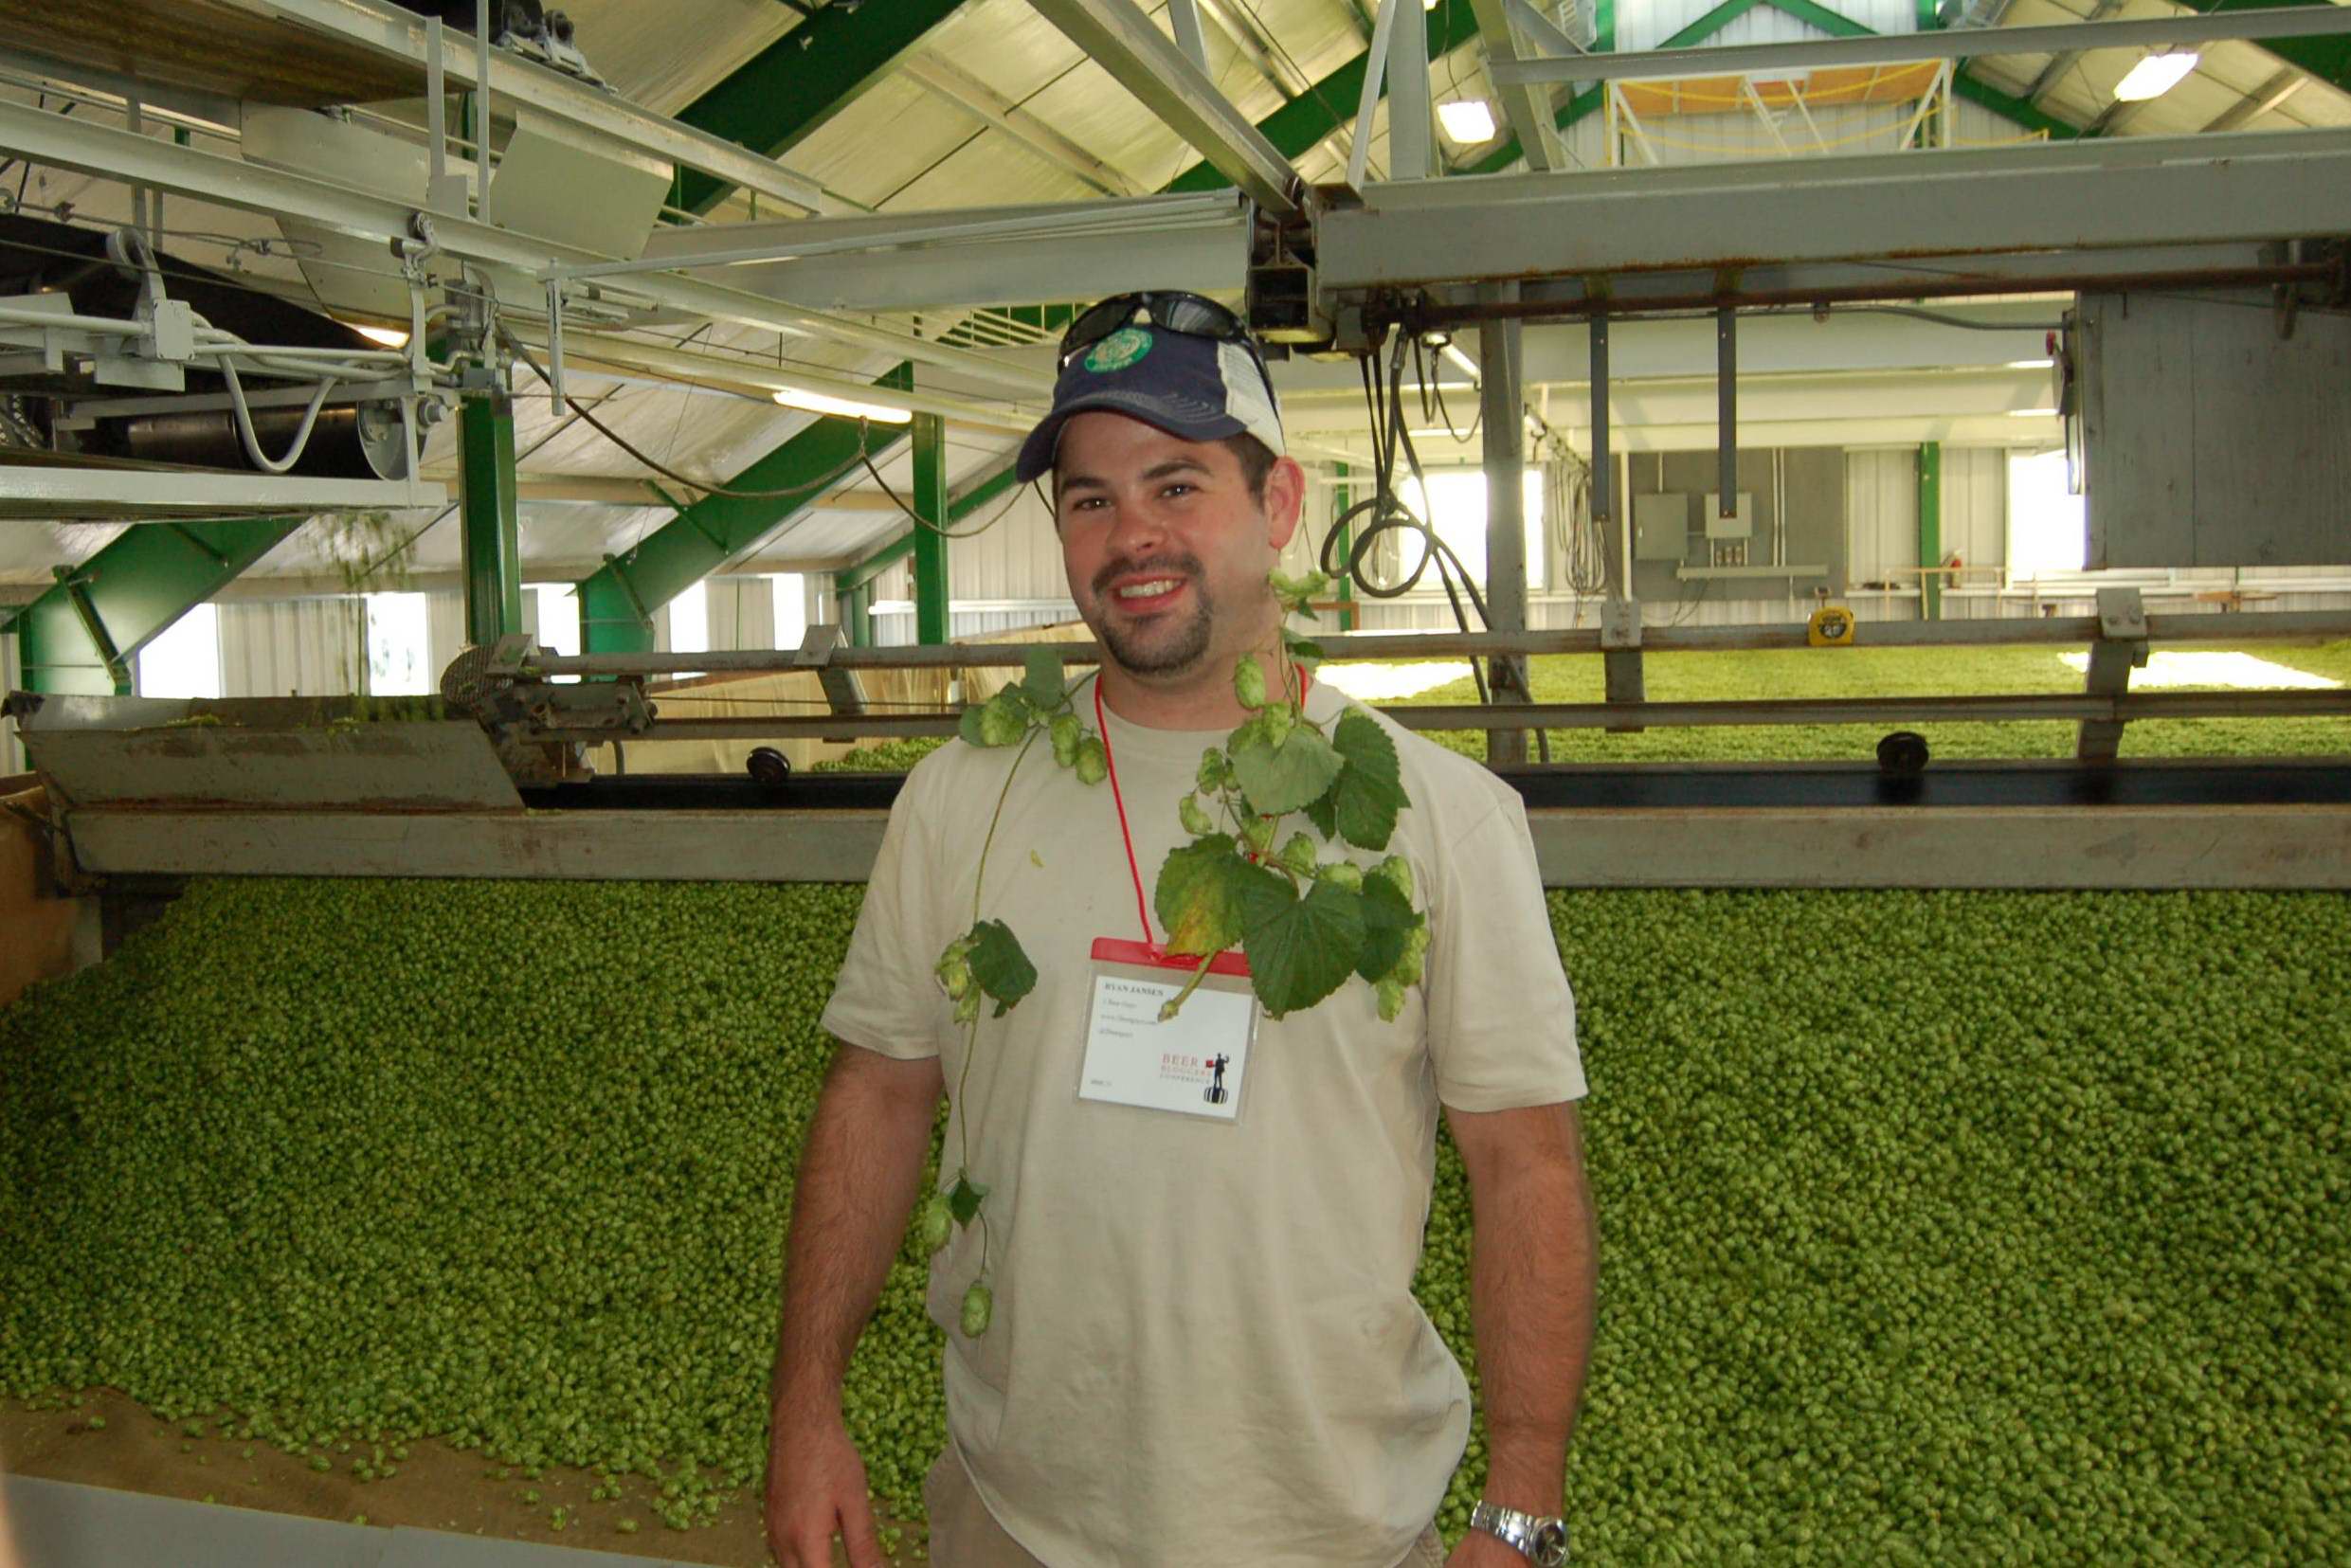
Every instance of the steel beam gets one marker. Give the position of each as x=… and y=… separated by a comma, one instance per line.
x=999, y=113
x=81, y=634
x=1302, y=124
x=2136, y=847
x=2284, y=22
x=2063, y=60
x=493, y=554
x=1143, y=60
x=1528, y=109
x=781, y=95
x=2284, y=84
x=933, y=621
x=617, y=601
x=1501, y=391
x=2144, y=192
x=107, y=152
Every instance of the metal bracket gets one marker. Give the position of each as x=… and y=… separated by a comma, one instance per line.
x=1620, y=656
x=2122, y=647
x=842, y=688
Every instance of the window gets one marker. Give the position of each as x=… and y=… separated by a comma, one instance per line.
x=791, y=609
x=2048, y=530
x=185, y=660
x=399, y=645
x=1458, y=498
x=689, y=621
x=557, y=630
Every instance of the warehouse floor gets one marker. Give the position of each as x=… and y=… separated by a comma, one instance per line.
x=438, y=1487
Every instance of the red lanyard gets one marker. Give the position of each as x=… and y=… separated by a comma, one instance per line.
x=1102, y=728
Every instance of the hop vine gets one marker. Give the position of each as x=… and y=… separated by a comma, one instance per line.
x=1307, y=915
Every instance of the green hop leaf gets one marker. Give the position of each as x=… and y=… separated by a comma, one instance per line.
x=997, y=964
x=1068, y=734
x=938, y=1218
x=1344, y=874
x=964, y=1197
x=1396, y=872
x=1199, y=895
x=1293, y=771
x=1043, y=682
x=1196, y=821
x=977, y=1309
x=1094, y=764
x=1362, y=804
x=1299, y=950
x=1249, y=681
x=1389, y=921
x=972, y=725
x=1298, y=855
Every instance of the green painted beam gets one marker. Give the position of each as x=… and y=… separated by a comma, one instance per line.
x=1835, y=24
x=1930, y=530
x=1331, y=102
x=81, y=634
x=618, y=600
x=486, y=501
x=932, y=625
x=773, y=100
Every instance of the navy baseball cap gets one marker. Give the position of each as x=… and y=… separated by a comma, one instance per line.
x=1198, y=388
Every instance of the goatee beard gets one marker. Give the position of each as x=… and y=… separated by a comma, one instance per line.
x=1182, y=648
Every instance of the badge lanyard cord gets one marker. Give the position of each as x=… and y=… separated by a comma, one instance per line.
x=1109, y=761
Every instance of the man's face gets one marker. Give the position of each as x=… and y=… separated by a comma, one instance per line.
x=1167, y=549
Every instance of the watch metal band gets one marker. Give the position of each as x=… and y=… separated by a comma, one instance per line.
x=1543, y=1542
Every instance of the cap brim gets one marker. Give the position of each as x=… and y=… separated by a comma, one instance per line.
x=1178, y=416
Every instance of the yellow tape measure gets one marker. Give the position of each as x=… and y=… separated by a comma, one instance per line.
x=1832, y=628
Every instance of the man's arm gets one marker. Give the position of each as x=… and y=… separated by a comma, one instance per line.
x=856, y=1186
x=1532, y=1272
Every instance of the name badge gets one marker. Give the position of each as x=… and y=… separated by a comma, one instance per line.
x=1194, y=1064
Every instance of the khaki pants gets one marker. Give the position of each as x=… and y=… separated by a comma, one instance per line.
x=965, y=1535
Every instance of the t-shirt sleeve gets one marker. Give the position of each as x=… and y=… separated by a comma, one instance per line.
x=1501, y=1018
x=886, y=998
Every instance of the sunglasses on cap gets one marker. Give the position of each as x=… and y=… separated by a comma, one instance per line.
x=1170, y=310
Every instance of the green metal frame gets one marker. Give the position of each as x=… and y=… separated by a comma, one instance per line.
x=486, y=501
x=1342, y=498
x=1930, y=530
x=773, y=100
x=618, y=600
x=81, y=634
x=931, y=585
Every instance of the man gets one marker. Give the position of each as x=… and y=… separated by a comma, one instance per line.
x=1204, y=1349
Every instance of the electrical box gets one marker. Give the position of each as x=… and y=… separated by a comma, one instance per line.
x=1739, y=526
x=1661, y=526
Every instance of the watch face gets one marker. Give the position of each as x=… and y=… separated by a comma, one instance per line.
x=1551, y=1546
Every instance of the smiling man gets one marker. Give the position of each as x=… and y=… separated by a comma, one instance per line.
x=1204, y=1348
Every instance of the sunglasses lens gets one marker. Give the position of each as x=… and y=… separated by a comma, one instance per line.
x=1096, y=324
x=1186, y=313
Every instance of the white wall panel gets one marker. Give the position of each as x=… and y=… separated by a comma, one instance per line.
x=291, y=647
x=1881, y=510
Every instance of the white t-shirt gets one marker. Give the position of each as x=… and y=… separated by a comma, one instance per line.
x=1204, y=1349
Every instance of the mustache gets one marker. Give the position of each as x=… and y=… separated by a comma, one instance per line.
x=1168, y=566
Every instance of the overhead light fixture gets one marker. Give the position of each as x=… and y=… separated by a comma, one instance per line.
x=818, y=402
x=1468, y=366
x=391, y=337
x=1467, y=121
x=2033, y=413
x=2029, y=364
x=2154, y=76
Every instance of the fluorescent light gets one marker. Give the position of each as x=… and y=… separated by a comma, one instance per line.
x=2033, y=413
x=817, y=403
x=391, y=337
x=2030, y=364
x=2154, y=76
x=1468, y=366
x=1467, y=120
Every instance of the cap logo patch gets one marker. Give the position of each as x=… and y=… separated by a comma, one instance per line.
x=1119, y=350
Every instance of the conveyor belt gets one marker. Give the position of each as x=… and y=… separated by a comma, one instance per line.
x=2293, y=781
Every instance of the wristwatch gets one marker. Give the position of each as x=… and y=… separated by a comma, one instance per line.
x=1542, y=1541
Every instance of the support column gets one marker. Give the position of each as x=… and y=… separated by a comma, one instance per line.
x=492, y=556
x=1342, y=498
x=1499, y=368
x=1930, y=530
x=933, y=621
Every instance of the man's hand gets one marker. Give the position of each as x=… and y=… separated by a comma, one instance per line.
x=1480, y=1550
x=816, y=1487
